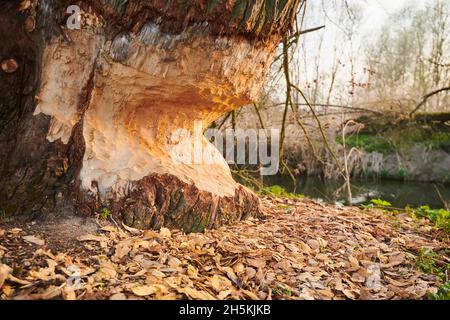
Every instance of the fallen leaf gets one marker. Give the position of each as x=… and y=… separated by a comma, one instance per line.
x=142, y=291
x=257, y=263
x=122, y=249
x=118, y=296
x=131, y=230
x=394, y=261
x=192, y=271
x=250, y=294
x=8, y=290
x=219, y=283
x=196, y=294
x=15, y=231
x=4, y=272
x=34, y=240
x=223, y=294
x=165, y=233
x=69, y=294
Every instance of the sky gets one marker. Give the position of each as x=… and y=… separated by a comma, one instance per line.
x=318, y=51
x=375, y=13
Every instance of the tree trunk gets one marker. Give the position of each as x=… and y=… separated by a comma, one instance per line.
x=89, y=115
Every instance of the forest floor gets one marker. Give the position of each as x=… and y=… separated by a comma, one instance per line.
x=300, y=250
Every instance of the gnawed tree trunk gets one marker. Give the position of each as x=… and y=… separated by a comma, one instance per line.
x=88, y=115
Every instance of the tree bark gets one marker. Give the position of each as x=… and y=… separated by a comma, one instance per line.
x=88, y=115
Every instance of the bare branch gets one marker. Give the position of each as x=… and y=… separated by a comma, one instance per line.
x=426, y=97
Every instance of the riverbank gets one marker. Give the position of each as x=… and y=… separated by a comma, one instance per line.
x=300, y=250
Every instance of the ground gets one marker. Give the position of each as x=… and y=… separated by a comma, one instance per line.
x=300, y=250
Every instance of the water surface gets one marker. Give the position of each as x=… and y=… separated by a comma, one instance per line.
x=399, y=193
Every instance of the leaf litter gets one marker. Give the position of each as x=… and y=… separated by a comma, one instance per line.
x=300, y=250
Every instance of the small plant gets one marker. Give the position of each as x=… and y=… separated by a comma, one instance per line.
x=381, y=203
x=440, y=217
x=105, y=213
x=442, y=294
x=426, y=261
x=402, y=174
x=280, y=291
x=279, y=192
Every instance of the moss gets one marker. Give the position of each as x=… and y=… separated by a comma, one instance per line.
x=440, y=140
x=399, y=139
x=196, y=222
x=201, y=223
x=367, y=142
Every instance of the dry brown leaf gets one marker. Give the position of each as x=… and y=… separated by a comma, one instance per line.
x=257, y=263
x=15, y=231
x=394, y=260
x=122, y=249
x=165, y=233
x=250, y=272
x=131, y=230
x=110, y=229
x=326, y=294
x=250, y=294
x=196, y=294
x=354, y=263
x=46, y=274
x=223, y=294
x=17, y=280
x=349, y=294
x=142, y=291
x=192, y=271
x=173, y=262
x=91, y=237
x=34, y=240
x=313, y=244
x=118, y=296
x=107, y=271
x=4, y=272
x=219, y=283
x=69, y=294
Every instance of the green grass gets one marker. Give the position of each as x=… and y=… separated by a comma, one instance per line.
x=279, y=192
x=398, y=139
x=440, y=140
x=442, y=294
x=440, y=217
x=431, y=138
x=426, y=261
x=105, y=213
x=367, y=142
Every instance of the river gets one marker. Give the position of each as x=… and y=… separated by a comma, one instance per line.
x=399, y=193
